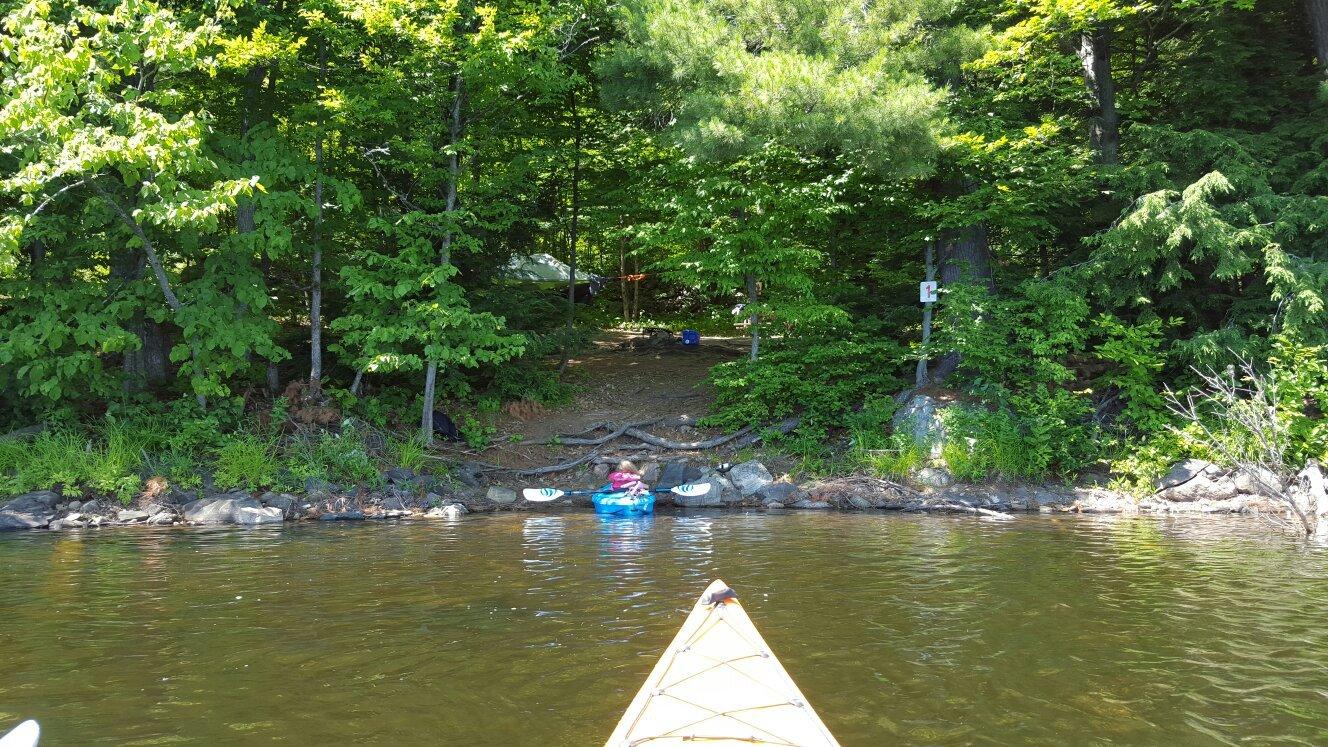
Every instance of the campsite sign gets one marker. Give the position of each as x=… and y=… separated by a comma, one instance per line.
x=927, y=291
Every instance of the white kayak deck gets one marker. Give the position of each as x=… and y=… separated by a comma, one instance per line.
x=718, y=683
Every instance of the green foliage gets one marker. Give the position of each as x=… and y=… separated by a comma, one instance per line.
x=898, y=456
x=1018, y=343
x=1301, y=375
x=1135, y=352
x=1021, y=441
x=245, y=460
x=107, y=463
x=341, y=457
x=820, y=379
x=409, y=452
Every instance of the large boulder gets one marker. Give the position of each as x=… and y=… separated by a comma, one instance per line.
x=254, y=515
x=677, y=472
x=284, y=502
x=1259, y=481
x=399, y=475
x=501, y=496
x=1196, y=480
x=781, y=493
x=230, y=510
x=749, y=477
x=721, y=492
x=920, y=416
x=29, y=511
x=933, y=477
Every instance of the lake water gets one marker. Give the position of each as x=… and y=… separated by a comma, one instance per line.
x=520, y=629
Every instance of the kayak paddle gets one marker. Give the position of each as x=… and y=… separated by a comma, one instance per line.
x=23, y=735
x=541, y=495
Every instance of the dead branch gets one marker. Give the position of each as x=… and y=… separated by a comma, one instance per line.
x=966, y=508
x=1237, y=418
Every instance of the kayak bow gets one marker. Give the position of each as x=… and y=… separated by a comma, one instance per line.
x=719, y=684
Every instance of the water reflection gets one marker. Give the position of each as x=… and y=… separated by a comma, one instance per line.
x=520, y=629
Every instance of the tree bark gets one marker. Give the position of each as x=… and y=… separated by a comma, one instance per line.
x=1317, y=13
x=753, y=322
x=965, y=257
x=172, y=301
x=572, y=232
x=920, y=376
x=245, y=208
x=622, y=278
x=1104, y=125
x=316, y=269
x=445, y=251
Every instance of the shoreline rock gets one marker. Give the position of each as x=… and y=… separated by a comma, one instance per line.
x=1193, y=487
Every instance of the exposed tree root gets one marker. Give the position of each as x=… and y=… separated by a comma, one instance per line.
x=623, y=429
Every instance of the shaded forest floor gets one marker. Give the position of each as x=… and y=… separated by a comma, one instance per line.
x=619, y=380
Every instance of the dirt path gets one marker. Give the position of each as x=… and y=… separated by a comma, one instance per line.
x=616, y=384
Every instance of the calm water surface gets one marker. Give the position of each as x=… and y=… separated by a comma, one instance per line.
x=537, y=630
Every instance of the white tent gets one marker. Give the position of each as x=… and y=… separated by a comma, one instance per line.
x=545, y=268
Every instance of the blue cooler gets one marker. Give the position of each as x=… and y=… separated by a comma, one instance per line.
x=691, y=338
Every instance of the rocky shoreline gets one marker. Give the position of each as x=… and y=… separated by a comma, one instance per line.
x=1193, y=487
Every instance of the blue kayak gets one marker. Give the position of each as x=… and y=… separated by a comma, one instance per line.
x=621, y=503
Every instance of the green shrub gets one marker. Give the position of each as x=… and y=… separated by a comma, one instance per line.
x=245, y=460
x=822, y=376
x=409, y=452
x=899, y=456
x=1043, y=438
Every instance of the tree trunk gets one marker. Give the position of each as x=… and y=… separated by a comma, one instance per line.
x=965, y=257
x=1104, y=125
x=172, y=301
x=572, y=232
x=1317, y=12
x=920, y=376
x=445, y=251
x=622, y=278
x=316, y=270
x=636, y=290
x=753, y=322
x=245, y=209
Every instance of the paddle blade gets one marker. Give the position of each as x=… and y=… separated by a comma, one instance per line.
x=23, y=735
x=691, y=491
x=541, y=495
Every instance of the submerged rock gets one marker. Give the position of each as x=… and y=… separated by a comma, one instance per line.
x=450, y=511
x=343, y=516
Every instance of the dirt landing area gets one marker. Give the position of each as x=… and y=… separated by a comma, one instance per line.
x=622, y=379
